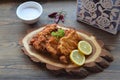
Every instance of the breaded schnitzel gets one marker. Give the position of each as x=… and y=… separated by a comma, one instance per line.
x=59, y=48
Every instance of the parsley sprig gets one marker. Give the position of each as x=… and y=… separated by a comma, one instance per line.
x=59, y=33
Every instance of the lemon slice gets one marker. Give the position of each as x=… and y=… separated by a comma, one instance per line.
x=77, y=57
x=85, y=47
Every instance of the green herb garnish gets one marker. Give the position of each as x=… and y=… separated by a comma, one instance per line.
x=58, y=34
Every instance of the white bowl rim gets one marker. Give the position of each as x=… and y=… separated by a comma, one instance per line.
x=29, y=2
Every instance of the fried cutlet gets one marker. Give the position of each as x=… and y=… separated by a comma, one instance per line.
x=40, y=39
x=57, y=48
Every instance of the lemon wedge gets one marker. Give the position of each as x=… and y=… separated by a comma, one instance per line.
x=85, y=47
x=77, y=57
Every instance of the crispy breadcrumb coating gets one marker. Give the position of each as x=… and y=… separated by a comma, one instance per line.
x=58, y=48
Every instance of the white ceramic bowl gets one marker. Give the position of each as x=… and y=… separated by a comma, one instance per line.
x=29, y=12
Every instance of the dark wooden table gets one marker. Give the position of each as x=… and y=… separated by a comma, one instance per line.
x=14, y=65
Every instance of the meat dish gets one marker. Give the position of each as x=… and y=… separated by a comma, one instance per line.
x=57, y=47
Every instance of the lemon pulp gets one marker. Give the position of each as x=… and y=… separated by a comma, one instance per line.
x=77, y=57
x=85, y=47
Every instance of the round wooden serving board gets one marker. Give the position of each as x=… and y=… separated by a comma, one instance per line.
x=96, y=62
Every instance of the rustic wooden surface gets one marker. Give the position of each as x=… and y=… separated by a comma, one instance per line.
x=14, y=65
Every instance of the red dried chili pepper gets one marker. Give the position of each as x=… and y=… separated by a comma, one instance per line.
x=52, y=15
x=57, y=19
x=58, y=16
x=61, y=18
